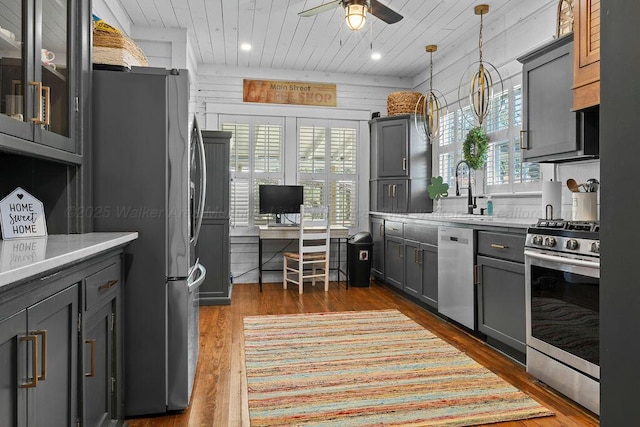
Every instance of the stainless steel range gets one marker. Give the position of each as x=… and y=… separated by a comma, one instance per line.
x=562, y=261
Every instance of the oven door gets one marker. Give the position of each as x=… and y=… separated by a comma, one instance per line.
x=562, y=308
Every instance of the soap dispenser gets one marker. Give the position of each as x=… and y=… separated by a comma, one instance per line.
x=489, y=206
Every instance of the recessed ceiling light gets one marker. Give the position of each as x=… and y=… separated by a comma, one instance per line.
x=245, y=46
x=376, y=56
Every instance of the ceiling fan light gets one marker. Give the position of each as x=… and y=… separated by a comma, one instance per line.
x=356, y=16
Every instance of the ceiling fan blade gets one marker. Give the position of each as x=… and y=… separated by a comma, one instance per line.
x=319, y=9
x=382, y=12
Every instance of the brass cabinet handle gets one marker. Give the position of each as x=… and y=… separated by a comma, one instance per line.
x=43, y=352
x=34, y=360
x=400, y=251
x=388, y=190
x=475, y=274
x=109, y=284
x=38, y=120
x=498, y=246
x=404, y=163
x=46, y=95
x=92, y=343
x=381, y=229
x=523, y=146
x=394, y=190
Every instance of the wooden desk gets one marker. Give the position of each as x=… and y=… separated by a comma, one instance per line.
x=336, y=232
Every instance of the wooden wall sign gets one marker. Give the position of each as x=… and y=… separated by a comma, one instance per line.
x=22, y=215
x=296, y=93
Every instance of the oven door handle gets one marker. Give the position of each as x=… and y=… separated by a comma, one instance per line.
x=570, y=261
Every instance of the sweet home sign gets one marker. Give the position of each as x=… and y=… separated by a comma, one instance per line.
x=22, y=215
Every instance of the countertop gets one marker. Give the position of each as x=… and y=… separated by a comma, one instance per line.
x=479, y=220
x=24, y=258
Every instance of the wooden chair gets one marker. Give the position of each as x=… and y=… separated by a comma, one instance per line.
x=311, y=262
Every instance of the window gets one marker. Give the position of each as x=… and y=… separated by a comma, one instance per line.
x=504, y=171
x=327, y=154
x=256, y=158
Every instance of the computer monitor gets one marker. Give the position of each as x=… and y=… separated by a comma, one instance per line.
x=280, y=199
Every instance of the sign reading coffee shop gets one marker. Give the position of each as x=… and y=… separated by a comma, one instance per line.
x=296, y=93
x=22, y=215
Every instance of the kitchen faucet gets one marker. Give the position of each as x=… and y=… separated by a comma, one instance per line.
x=471, y=205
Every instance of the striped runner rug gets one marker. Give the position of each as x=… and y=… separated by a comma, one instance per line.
x=368, y=368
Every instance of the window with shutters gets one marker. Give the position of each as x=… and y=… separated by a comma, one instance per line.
x=504, y=172
x=327, y=166
x=256, y=158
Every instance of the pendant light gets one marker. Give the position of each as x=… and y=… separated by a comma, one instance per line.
x=480, y=87
x=430, y=105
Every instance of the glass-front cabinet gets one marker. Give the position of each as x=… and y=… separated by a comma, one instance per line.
x=38, y=99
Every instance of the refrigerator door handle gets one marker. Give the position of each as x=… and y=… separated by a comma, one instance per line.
x=195, y=284
x=203, y=181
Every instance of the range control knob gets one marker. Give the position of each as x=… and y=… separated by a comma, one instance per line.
x=572, y=244
x=537, y=240
x=550, y=241
x=595, y=247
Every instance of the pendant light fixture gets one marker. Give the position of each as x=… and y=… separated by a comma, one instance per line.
x=430, y=106
x=480, y=87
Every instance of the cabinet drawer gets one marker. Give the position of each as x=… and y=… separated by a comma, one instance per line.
x=393, y=228
x=103, y=284
x=421, y=233
x=501, y=245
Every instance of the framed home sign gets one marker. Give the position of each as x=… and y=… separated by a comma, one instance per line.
x=22, y=215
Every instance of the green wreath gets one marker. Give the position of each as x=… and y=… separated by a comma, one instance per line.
x=474, y=148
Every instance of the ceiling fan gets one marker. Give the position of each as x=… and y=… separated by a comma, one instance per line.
x=356, y=11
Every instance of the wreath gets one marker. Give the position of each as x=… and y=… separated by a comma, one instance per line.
x=475, y=148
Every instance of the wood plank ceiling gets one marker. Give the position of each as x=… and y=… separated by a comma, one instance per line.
x=281, y=39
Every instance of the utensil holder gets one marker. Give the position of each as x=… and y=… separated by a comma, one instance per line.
x=584, y=206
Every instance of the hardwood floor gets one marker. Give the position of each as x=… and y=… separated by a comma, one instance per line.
x=217, y=401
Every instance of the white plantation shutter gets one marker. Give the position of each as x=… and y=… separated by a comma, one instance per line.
x=331, y=143
x=312, y=142
x=256, y=158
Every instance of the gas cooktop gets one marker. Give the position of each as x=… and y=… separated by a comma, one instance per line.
x=578, y=237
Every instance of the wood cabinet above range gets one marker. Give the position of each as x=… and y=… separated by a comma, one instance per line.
x=586, y=61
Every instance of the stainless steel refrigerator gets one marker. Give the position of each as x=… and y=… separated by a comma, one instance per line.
x=149, y=176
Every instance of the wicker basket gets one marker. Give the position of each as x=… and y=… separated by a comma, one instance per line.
x=114, y=48
x=565, y=18
x=402, y=103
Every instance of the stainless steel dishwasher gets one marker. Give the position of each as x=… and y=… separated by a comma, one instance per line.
x=456, y=289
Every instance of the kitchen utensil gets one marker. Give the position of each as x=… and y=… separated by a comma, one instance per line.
x=573, y=185
x=591, y=186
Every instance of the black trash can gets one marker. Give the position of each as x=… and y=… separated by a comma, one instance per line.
x=359, y=251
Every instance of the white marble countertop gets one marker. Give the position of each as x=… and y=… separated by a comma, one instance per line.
x=24, y=258
x=495, y=221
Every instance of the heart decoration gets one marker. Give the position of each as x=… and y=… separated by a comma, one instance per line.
x=20, y=196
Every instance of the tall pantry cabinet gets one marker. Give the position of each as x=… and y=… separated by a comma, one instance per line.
x=400, y=166
x=213, y=244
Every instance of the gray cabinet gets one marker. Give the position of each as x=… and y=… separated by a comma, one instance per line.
x=102, y=337
x=376, y=226
x=60, y=347
x=429, y=260
x=400, y=166
x=40, y=112
x=394, y=261
x=394, y=253
x=391, y=136
x=213, y=243
x=213, y=251
x=421, y=262
x=38, y=351
x=501, y=291
x=551, y=130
